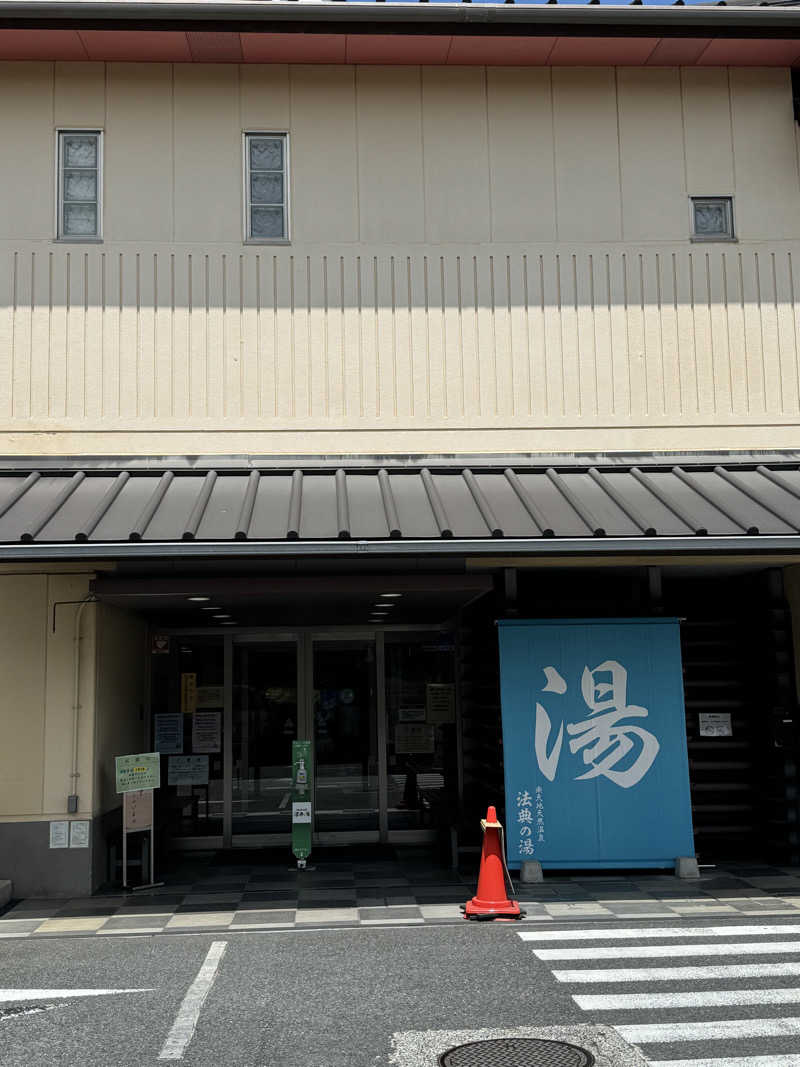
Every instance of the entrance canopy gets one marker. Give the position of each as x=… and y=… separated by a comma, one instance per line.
x=399, y=510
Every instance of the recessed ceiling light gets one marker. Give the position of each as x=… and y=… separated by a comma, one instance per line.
x=231, y=623
x=198, y=599
x=383, y=607
x=209, y=607
x=390, y=594
x=222, y=616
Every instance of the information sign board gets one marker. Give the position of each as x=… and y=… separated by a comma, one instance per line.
x=207, y=731
x=187, y=770
x=79, y=833
x=142, y=771
x=169, y=732
x=137, y=809
x=59, y=834
x=715, y=724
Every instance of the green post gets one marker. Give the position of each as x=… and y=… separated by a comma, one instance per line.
x=302, y=793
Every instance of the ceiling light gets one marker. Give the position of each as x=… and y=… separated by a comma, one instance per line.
x=383, y=607
x=209, y=607
x=390, y=594
x=222, y=616
x=231, y=623
x=198, y=599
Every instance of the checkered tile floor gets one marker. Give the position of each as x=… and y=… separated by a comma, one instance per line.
x=211, y=895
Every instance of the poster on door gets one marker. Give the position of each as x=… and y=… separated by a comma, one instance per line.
x=594, y=737
x=207, y=731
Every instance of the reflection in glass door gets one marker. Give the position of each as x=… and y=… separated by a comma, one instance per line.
x=345, y=736
x=264, y=726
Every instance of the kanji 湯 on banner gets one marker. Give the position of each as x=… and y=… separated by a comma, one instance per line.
x=594, y=742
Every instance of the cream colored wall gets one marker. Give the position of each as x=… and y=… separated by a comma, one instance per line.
x=36, y=682
x=120, y=698
x=481, y=260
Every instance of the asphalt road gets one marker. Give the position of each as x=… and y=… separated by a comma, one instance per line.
x=351, y=997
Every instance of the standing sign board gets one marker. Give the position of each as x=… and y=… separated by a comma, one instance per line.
x=137, y=777
x=302, y=793
x=594, y=736
x=142, y=771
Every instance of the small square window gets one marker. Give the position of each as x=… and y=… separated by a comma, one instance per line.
x=79, y=185
x=712, y=218
x=265, y=187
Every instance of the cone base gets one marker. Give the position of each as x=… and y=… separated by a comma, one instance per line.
x=492, y=909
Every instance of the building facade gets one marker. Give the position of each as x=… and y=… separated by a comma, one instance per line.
x=332, y=333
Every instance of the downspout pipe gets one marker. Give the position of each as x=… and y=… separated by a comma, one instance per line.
x=72, y=799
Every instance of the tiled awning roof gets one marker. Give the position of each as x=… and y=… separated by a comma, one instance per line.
x=94, y=507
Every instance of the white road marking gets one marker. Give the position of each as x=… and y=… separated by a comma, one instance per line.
x=654, y=932
x=721, y=1030
x=678, y=974
x=785, y=1060
x=712, y=998
x=12, y=996
x=746, y=948
x=185, y=1023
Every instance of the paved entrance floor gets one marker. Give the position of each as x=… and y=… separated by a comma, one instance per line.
x=230, y=891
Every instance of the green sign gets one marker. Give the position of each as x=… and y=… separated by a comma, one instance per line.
x=302, y=793
x=142, y=771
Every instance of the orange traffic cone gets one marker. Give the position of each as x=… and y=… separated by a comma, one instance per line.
x=491, y=901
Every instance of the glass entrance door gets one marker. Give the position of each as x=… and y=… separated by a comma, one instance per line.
x=345, y=723
x=265, y=722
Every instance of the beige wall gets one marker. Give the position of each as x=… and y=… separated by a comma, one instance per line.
x=36, y=682
x=481, y=260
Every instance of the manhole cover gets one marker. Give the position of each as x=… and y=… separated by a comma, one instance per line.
x=516, y=1052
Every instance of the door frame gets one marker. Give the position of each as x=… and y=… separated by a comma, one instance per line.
x=304, y=637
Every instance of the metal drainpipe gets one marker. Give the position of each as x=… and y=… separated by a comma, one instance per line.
x=72, y=800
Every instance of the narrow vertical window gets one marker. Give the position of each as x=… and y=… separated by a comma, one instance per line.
x=79, y=183
x=266, y=187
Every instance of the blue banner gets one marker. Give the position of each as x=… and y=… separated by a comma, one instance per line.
x=594, y=742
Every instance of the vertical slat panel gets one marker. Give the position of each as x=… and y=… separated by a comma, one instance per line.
x=472, y=349
x=386, y=383
x=787, y=332
x=603, y=340
x=555, y=401
x=129, y=384
x=719, y=328
x=231, y=323
x=198, y=271
x=301, y=348
x=737, y=352
x=352, y=386
x=754, y=376
x=404, y=364
x=435, y=399
x=539, y=399
x=487, y=340
x=148, y=315
x=110, y=298
x=267, y=334
x=699, y=280
x=586, y=384
x=620, y=383
x=520, y=335
x=75, y=361
x=369, y=334
x=668, y=272
x=284, y=386
x=653, y=349
x=318, y=380
x=23, y=330
x=92, y=336
x=567, y=273
x=180, y=332
x=8, y=264
x=504, y=357
x=46, y=384
x=248, y=318
x=773, y=383
x=216, y=399
x=333, y=274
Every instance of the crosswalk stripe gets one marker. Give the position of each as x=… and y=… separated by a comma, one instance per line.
x=677, y=974
x=711, y=998
x=786, y=1060
x=746, y=948
x=721, y=1030
x=655, y=932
